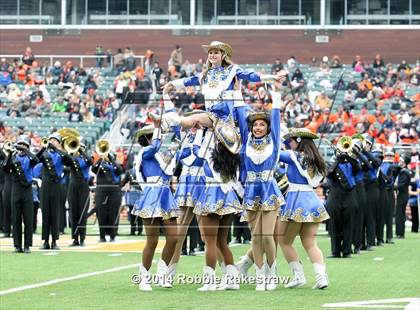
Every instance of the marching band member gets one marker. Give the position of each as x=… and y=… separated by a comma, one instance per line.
x=379, y=208
x=360, y=193
x=401, y=186
x=78, y=194
x=154, y=169
x=303, y=210
x=341, y=200
x=53, y=158
x=389, y=171
x=108, y=191
x=260, y=134
x=21, y=162
x=7, y=197
x=372, y=194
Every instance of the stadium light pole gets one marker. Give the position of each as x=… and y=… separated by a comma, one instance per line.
x=322, y=15
x=192, y=13
x=63, y=13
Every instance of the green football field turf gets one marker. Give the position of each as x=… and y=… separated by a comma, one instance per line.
x=391, y=271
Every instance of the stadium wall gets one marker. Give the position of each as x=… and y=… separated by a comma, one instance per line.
x=250, y=46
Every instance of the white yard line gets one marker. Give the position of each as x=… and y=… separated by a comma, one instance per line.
x=59, y=280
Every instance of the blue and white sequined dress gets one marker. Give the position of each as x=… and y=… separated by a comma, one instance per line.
x=191, y=182
x=302, y=203
x=217, y=88
x=218, y=197
x=259, y=158
x=154, y=169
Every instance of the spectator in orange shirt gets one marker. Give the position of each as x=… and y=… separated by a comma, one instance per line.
x=366, y=82
x=380, y=117
x=21, y=74
x=372, y=131
x=382, y=139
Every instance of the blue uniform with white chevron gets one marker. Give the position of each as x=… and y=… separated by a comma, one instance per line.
x=154, y=169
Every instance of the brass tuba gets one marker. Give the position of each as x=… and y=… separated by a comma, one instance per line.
x=102, y=148
x=71, y=144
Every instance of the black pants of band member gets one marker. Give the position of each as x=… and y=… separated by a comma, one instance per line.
x=369, y=224
x=389, y=213
x=50, y=206
x=379, y=212
x=62, y=215
x=7, y=207
x=400, y=218
x=342, y=207
x=22, y=210
x=108, y=202
x=414, y=218
x=359, y=215
x=78, y=198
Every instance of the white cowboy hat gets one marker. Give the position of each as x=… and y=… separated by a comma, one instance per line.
x=220, y=46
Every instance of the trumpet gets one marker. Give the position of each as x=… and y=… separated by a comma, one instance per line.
x=44, y=142
x=71, y=144
x=344, y=146
x=102, y=148
x=9, y=147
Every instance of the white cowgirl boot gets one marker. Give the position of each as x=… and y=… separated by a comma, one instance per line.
x=145, y=279
x=321, y=278
x=244, y=264
x=220, y=286
x=298, y=279
x=271, y=276
x=169, y=120
x=260, y=278
x=209, y=280
x=171, y=273
x=162, y=271
x=230, y=280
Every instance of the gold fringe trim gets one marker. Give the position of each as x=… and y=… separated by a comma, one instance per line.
x=310, y=218
x=257, y=206
x=185, y=201
x=219, y=210
x=150, y=214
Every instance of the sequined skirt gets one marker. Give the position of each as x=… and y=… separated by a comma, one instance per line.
x=214, y=201
x=156, y=201
x=262, y=195
x=189, y=189
x=303, y=207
